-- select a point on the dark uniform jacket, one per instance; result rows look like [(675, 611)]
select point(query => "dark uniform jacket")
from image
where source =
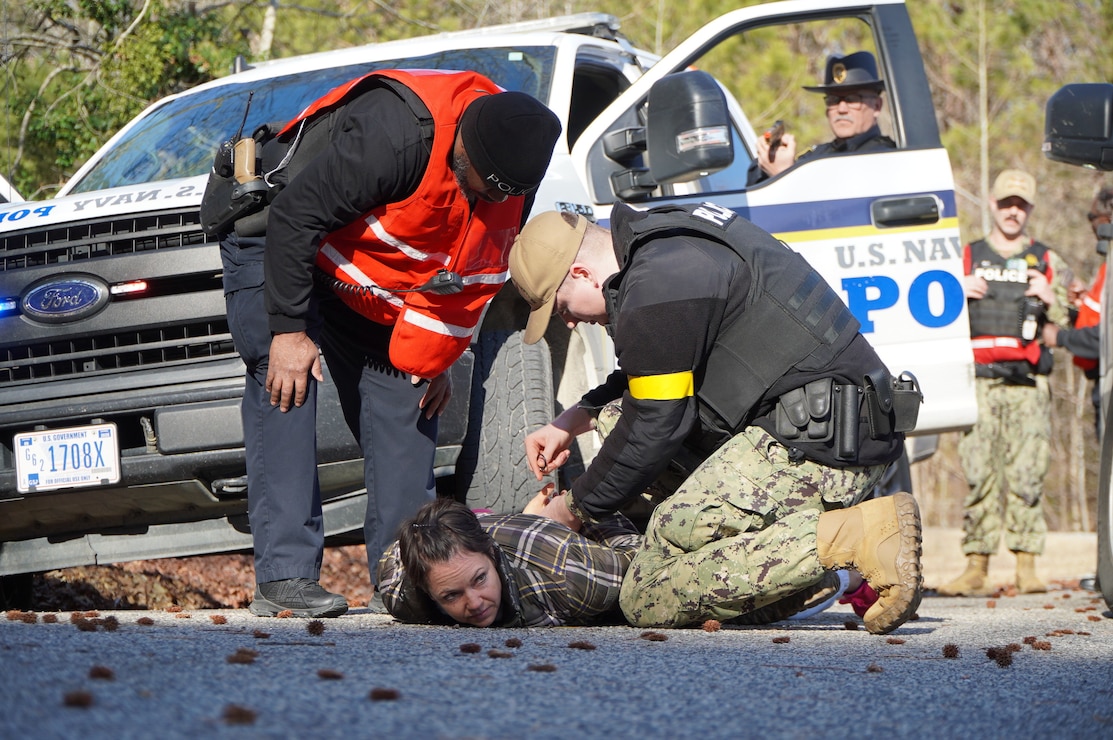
[(869, 141), (673, 308)]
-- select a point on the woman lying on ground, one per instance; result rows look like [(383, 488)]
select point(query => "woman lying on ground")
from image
[(450, 566)]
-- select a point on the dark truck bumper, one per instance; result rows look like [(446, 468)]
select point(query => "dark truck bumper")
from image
[(183, 485)]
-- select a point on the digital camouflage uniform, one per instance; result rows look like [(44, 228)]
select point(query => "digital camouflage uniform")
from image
[(1006, 455), (762, 508)]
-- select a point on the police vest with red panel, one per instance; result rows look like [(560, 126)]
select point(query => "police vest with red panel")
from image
[(996, 320), (1089, 314), (398, 247)]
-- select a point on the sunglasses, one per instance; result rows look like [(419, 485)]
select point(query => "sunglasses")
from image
[(852, 100)]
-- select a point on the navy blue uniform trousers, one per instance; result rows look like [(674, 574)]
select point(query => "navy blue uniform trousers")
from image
[(380, 405)]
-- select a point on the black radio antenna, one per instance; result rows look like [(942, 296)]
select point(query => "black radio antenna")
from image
[(246, 110)]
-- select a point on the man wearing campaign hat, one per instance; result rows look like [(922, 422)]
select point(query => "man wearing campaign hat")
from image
[(1014, 285), (852, 92), (733, 351), (390, 234)]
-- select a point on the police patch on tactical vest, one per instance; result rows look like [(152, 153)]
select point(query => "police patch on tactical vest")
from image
[(713, 214)]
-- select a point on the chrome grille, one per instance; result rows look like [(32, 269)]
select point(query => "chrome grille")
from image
[(123, 350)]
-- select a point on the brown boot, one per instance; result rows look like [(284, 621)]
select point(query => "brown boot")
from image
[(881, 539), (1027, 582), (972, 582)]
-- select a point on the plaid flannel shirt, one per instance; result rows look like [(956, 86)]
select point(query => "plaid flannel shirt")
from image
[(551, 576)]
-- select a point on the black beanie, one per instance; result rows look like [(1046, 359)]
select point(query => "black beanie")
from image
[(509, 138)]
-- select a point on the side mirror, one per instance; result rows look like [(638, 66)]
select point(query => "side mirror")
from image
[(688, 127), (1079, 125)]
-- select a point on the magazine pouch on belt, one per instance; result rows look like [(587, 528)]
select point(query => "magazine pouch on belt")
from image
[(892, 403), (805, 413)]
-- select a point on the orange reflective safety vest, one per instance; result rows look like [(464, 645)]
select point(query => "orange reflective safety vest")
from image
[(398, 247), (1089, 314)]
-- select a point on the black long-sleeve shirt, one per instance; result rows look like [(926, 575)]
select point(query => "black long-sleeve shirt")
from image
[(1085, 343), (675, 298), (376, 155)]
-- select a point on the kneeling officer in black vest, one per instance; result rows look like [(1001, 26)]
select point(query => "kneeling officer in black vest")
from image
[(733, 352)]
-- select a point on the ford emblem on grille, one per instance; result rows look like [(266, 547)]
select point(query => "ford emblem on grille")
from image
[(57, 300)]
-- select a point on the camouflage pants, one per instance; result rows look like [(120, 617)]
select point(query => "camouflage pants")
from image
[(1005, 458), (739, 533), (664, 485)]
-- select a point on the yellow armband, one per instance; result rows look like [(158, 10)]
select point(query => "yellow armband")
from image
[(667, 387)]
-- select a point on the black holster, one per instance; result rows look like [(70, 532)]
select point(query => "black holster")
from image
[(892, 403)]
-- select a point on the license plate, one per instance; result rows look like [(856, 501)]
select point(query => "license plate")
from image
[(67, 458)]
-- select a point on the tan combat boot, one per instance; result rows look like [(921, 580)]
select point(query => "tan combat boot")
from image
[(972, 582), (881, 539), (1027, 582)]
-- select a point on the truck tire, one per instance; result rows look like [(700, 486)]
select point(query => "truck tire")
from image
[(511, 395)]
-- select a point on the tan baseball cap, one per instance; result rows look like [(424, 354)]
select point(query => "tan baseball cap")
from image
[(539, 262), (1014, 182)]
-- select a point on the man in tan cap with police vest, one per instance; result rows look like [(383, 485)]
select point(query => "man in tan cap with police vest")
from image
[(1014, 284)]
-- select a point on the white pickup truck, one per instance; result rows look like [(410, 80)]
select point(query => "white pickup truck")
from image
[(120, 435)]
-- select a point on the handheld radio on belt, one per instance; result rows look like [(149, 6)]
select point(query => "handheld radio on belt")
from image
[(235, 188)]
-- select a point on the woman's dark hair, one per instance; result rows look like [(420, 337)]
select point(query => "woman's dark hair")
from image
[(439, 530)]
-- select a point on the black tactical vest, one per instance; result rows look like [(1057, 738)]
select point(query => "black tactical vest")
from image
[(791, 318), (1001, 312)]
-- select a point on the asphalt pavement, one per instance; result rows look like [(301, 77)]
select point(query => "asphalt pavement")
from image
[(227, 674)]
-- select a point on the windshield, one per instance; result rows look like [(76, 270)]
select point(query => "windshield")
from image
[(180, 138)]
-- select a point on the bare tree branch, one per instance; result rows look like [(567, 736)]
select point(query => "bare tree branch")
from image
[(134, 23), (25, 122)]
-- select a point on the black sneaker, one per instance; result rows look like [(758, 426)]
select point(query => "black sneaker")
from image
[(303, 597)]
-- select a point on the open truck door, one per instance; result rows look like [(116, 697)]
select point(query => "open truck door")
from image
[(881, 227)]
